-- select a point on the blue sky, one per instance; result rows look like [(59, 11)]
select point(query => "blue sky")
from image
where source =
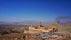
[(34, 10)]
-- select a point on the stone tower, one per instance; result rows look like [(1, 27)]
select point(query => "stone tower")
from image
[(40, 25)]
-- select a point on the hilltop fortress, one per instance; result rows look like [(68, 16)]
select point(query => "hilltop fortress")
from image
[(40, 28)]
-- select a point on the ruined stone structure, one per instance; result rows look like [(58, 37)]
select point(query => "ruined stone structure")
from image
[(40, 28)]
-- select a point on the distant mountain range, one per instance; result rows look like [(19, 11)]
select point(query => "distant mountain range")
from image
[(23, 23), (30, 23)]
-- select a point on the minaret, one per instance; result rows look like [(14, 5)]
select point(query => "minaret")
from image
[(40, 25)]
